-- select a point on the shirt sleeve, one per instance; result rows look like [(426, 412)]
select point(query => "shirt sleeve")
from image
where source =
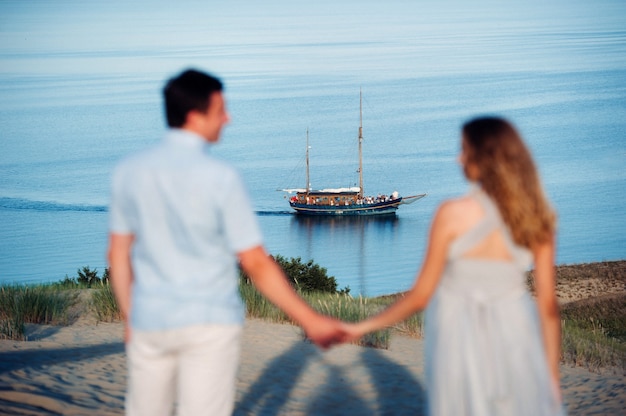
[(240, 223)]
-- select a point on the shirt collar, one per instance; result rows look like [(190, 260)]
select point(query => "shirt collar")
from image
[(181, 137)]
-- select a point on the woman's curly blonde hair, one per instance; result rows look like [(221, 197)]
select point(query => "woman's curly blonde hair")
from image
[(507, 173)]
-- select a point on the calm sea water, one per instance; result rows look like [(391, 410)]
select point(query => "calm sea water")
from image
[(80, 87)]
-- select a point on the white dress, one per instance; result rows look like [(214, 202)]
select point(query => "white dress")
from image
[(483, 345)]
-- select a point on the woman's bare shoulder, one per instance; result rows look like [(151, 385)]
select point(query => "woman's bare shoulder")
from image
[(459, 214), (460, 206)]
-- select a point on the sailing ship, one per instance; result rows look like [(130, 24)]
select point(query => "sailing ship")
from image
[(345, 201)]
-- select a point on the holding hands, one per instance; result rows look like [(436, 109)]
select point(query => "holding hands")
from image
[(326, 332)]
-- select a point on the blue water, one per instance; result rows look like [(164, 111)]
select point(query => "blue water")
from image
[(80, 86)]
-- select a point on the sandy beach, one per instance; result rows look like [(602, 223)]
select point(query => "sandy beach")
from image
[(81, 370)]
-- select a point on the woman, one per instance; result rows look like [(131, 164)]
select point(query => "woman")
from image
[(490, 348)]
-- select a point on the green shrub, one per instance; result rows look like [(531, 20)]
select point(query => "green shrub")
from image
[(106, 276), (309, 276), (88, 277)]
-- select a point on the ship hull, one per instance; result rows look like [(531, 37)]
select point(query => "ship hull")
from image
[(380, 208)]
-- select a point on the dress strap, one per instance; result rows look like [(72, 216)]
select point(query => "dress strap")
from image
[(481, 230), (520, 255)]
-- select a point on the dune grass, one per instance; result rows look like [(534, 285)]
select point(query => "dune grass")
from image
[(594, 334), (351, 309), (337, 305), (104, 305), (593, 330), (40, 304)]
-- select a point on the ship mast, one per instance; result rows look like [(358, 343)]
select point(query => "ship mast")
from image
[(360, 144), (308, 183)]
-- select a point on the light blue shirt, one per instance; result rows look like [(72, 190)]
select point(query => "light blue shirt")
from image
[(190, 215)]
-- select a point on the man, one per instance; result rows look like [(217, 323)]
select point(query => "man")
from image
[(180, 220)]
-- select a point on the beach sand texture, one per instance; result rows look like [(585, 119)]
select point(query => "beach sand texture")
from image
[(81, 370)]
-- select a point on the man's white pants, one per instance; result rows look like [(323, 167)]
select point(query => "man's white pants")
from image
[(194, 366)]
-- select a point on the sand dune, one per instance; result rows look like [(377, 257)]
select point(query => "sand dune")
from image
[(81, 370)]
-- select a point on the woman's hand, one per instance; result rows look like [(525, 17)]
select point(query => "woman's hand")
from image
[(354, 331)]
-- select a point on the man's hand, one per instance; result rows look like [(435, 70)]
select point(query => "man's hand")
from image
[(325, 331)]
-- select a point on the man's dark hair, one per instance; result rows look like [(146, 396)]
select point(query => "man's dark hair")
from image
[(191, 90)]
